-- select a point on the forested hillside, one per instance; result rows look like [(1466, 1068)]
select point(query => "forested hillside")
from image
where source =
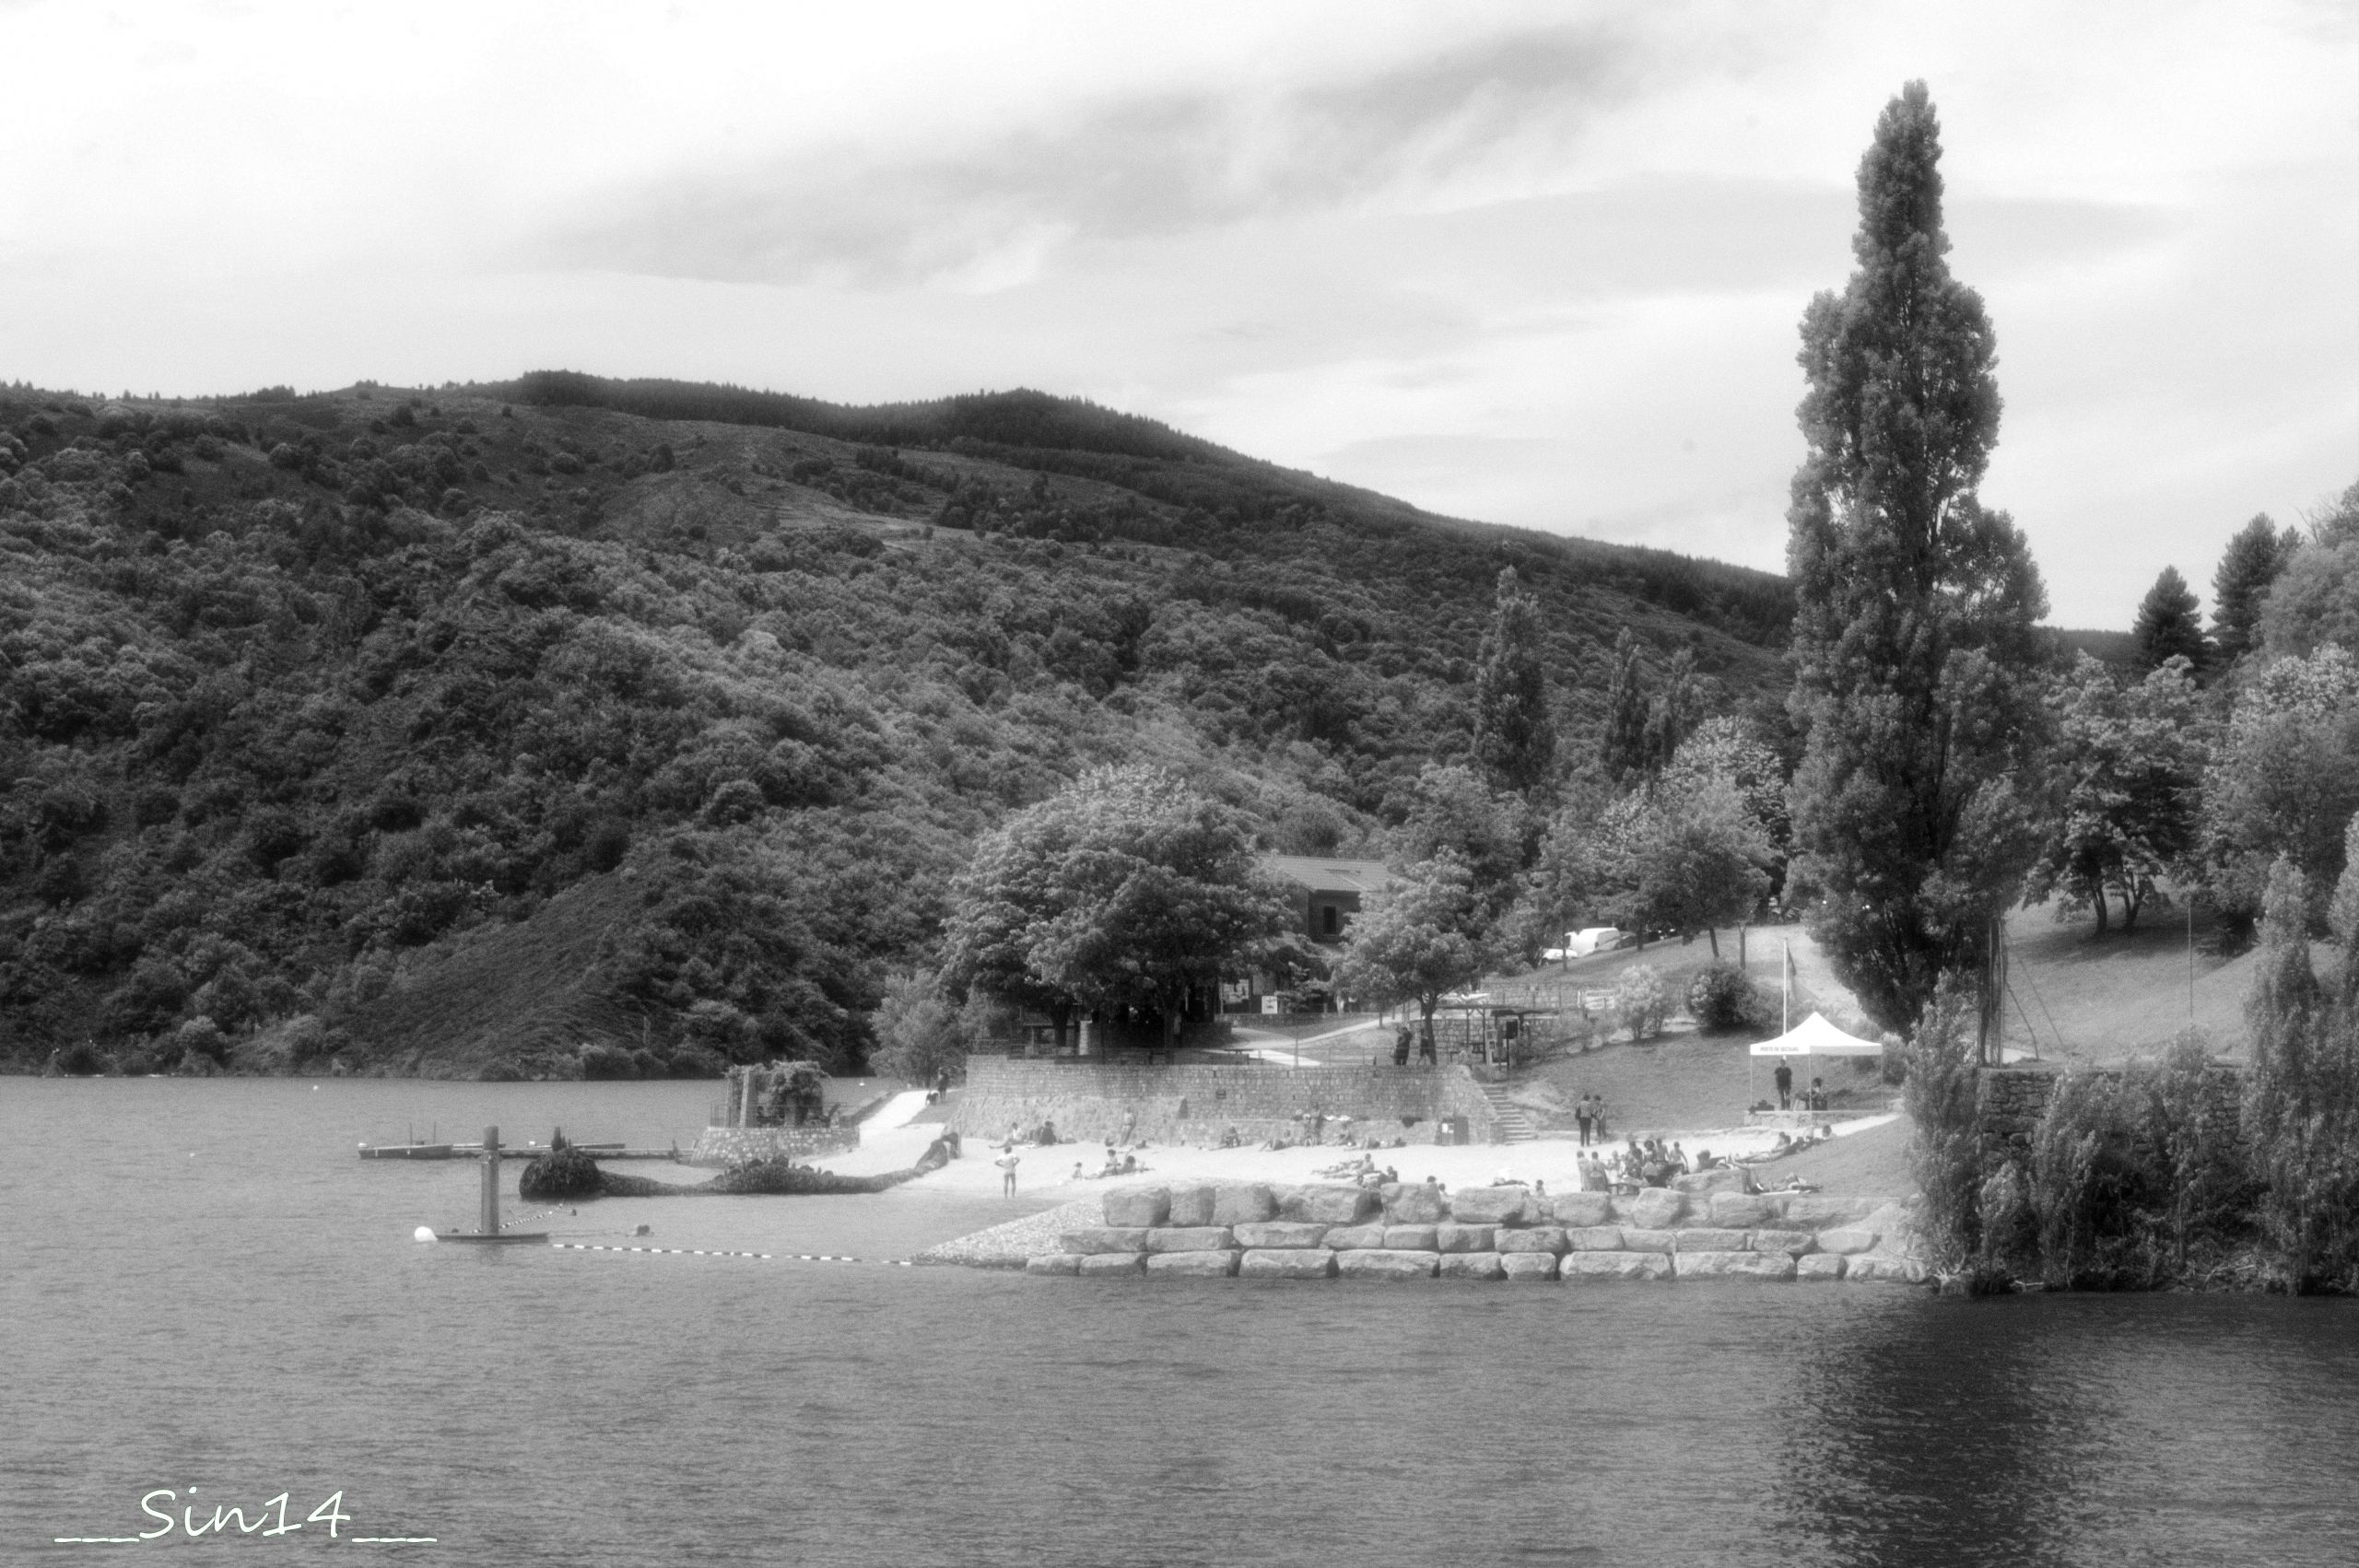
[(666, 712)]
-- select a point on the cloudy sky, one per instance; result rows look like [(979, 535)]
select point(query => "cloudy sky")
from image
[(1533, 263)]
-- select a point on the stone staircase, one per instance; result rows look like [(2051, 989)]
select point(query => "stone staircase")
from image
[(1514, 1126)]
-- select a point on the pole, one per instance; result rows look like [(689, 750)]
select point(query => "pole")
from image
[(490, 1225), (2190, 963)]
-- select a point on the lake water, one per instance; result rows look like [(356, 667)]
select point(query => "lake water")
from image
[(201, 1287)]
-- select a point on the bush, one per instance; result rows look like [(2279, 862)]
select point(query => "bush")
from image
[(608, 1062), (1641, 1002), (81, 1060), (1724, 997)]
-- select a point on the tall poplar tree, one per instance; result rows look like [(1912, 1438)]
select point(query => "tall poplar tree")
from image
[(1915, 604), (1514, 738)]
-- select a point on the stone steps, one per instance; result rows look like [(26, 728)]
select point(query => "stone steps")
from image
[(1514, 1126)]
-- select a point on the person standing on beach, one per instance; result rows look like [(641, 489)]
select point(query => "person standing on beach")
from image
[(1007, 1162), (1581, 1115), (1784, 1079)]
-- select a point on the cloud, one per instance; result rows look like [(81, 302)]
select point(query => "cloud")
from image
[(980, 215)]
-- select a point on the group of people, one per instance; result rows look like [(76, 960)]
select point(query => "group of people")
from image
[(1363, 1171), (1816, 1100), (1401, 1037), (1650, 1163), (1589, 1112)]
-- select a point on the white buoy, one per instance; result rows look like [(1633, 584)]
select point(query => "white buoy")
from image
[(423, 1233)]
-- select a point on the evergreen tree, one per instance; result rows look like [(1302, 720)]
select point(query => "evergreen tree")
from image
[(1514, 738), (1915, 605), (2250, 563), (2168, 627)]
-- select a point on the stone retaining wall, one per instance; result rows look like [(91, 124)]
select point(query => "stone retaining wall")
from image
[(1095, 1101), (1402, 1231), (2009, 1101), (721, 1147)]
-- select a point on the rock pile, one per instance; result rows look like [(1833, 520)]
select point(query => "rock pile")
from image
[(1403, 1232)]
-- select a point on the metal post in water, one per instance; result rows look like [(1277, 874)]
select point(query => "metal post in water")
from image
[(491, 1181)]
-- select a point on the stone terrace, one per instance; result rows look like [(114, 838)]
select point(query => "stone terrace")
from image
[(1416, 1232)]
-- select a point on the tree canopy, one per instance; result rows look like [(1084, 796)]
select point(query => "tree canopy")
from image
[(2132, 760), (1418, 940), (1913, 642), (1126, 889)]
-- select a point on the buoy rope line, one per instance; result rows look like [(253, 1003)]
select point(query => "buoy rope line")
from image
[(718, 1252)]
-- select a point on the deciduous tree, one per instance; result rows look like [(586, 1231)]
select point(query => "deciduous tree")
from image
[(1418, 940), (1915, 604), (2132, 765)]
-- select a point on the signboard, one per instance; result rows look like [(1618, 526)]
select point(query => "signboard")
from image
[(1270, 1004)]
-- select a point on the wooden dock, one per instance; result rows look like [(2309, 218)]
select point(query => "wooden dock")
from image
[(475, 1152)]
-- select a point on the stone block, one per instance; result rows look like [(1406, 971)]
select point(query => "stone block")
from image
[(1720, 1178), (1279, 1235), (1411, 1238), (1105, 1265), (1549, 1239), (1145, 1206), (1286, 1263), (1104, 1238), (1793, 1244), (1192, 1265), (1817, 1211), (1420, 1204), (1709, 1238), (1884, 1266), (1739, 1212), (1053, 1263), (1735, 1266), (1190, 1238), (1890, 1220), (1528, 1265), (1593, 1238), (1463, 1238), (1472, 1265), (1656, 1208), (1845, 1240), (1489, 1205), (1243, 1203), (1191, 1205), (1329, 1203), (1353, 1238), (1386, 1263), (1635, 1239), (1584, 1209), (1613, 1266), (1819, 1266)]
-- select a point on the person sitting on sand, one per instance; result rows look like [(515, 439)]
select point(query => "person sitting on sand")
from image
[(1705, 1160)]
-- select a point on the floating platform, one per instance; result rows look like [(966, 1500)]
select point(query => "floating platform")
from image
[(540, 1236), (407, 1151)]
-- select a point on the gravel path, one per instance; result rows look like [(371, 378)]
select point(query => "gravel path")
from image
[(1009, 1245)]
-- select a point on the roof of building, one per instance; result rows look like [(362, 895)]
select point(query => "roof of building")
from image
[(1330, 876)]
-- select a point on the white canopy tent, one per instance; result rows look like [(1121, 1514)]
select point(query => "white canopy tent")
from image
[(1815, 1036)]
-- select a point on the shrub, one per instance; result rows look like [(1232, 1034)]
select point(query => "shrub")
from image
[(1641, 1002), (1724, 997), (81, 1060), (608, 1062)]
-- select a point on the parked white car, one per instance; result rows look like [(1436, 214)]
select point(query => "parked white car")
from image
[(1591, 939)]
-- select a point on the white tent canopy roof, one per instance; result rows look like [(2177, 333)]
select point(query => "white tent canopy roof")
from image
[(1815, 1036)]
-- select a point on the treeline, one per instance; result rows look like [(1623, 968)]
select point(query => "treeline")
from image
[(296, 692)]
